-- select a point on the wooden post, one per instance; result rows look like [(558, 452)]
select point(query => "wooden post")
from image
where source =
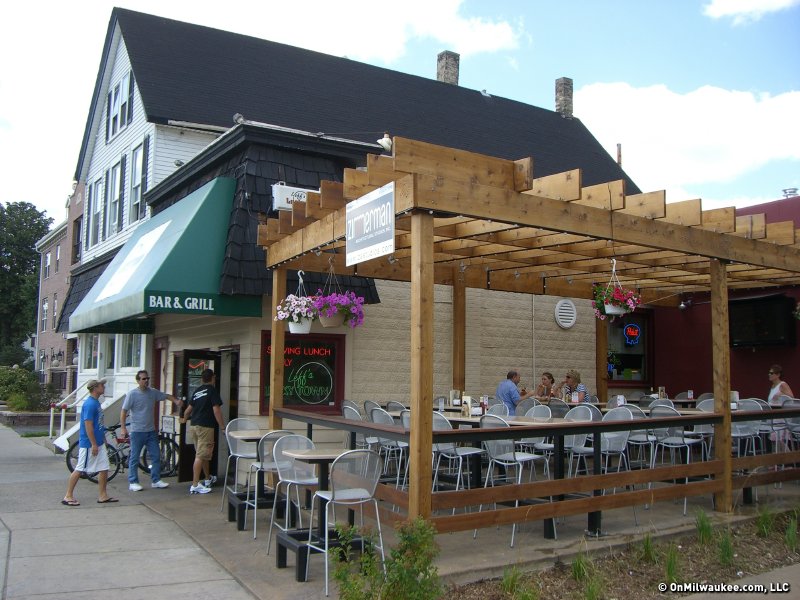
[(459, 330), (601, 359), (419, 488), (277, 342), (721, 367)]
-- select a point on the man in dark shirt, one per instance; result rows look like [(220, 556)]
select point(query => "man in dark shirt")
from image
[(204, 409)]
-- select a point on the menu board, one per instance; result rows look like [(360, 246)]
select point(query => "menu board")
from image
[(313, 372)]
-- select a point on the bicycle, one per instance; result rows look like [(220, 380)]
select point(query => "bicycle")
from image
[(119, 452)]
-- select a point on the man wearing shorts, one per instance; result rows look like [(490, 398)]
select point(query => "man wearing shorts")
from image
[(92, 455), (204, 409)]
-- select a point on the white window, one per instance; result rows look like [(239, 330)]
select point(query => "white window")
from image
[(120, 106), (46, 266), (137, 161), (44, 315), (113, 199), (130, 350), (89, 351), (97, 211), (42, 360), (55, 311), (58, 256)]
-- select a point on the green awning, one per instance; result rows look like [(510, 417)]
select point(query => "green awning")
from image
[(171, 264)]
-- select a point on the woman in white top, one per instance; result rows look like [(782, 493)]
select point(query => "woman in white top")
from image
[(779, 387)]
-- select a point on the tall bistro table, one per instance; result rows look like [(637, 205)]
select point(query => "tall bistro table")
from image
[(296, 540)]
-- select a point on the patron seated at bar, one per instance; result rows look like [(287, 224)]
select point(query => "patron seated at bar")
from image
[(544, 390), (507, 391), (572, 384)]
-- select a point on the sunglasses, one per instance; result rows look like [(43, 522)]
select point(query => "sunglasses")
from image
[(144, 379), (772, 373)]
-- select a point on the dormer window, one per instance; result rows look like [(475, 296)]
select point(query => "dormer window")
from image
[(119, 110)]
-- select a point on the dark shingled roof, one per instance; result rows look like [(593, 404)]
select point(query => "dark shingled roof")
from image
[(81, 281), (197, 74)]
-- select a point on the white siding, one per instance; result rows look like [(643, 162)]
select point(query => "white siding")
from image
[(171, 144)]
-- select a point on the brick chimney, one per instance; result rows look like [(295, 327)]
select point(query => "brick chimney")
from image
[(564, 97), (447, 67)]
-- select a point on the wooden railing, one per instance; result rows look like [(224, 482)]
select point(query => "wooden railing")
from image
[(547, 499)]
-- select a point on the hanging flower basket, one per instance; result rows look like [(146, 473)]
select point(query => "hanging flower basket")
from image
[(613, 300), (301, 326), (297, 309), (336, 307)]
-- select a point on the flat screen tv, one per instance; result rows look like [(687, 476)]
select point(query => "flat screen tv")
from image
[(766, 321)]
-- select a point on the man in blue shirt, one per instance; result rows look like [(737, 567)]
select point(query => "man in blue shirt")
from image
[(92, 455), (507, 391), (140, 403)]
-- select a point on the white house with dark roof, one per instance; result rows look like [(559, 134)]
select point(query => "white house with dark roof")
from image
[(177, 106)]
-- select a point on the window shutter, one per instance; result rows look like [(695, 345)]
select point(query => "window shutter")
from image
[(130, 97), (90, 189), (145, 170), (121, 192), (105, 207), (108, 116)]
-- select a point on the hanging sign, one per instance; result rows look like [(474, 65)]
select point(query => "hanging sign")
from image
[(632, 333), (369, 227), (283, 196)]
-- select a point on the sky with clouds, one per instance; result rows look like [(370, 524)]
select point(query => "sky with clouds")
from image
[(703, 95)]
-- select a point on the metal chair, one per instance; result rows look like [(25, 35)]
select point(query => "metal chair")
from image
[(368, 406), (613, 402), (493, 401), (353, 415), (394, 405), (353, 479), (636, 396), (640, 439), (747, 431), (502, 453), (291, 474), (523, 406), (451, 453), (661, 402), (498, 410), (352, 405), (389, 448), (615, 443), (706, 431), (671, 438), (705, 396), (576, 443), (265, 463), (558, 408), (238, 449), (540, 443), (682, 396)]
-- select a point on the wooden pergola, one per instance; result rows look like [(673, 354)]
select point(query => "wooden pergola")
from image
[(468, 220)]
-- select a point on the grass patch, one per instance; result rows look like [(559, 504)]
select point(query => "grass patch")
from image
[(725, 548), (32, 434), (791, 535), (705, 531), (512, 580), (671, 564), (765, 521), (648, 553), (581, 567), (593, 589)]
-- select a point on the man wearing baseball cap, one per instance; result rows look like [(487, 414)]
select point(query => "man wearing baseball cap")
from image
[(92, 455)]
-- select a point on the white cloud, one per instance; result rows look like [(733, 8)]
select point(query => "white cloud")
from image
[(745, 11), (675, 141)]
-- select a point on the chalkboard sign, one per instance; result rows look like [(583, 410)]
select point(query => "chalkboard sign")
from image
[(313, 372)]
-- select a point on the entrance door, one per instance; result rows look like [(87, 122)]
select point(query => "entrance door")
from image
[(190, 364)]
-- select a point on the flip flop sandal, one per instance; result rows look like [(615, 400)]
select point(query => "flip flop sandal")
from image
[(107, 500), (66, 502)]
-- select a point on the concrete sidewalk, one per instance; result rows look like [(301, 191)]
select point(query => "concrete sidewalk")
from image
[(166, 543)]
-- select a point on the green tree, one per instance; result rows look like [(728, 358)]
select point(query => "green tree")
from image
[(21, 226)]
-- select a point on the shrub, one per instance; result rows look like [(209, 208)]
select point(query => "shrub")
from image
[(17, 402), (15, 381), (648, 554), (411, 573)]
